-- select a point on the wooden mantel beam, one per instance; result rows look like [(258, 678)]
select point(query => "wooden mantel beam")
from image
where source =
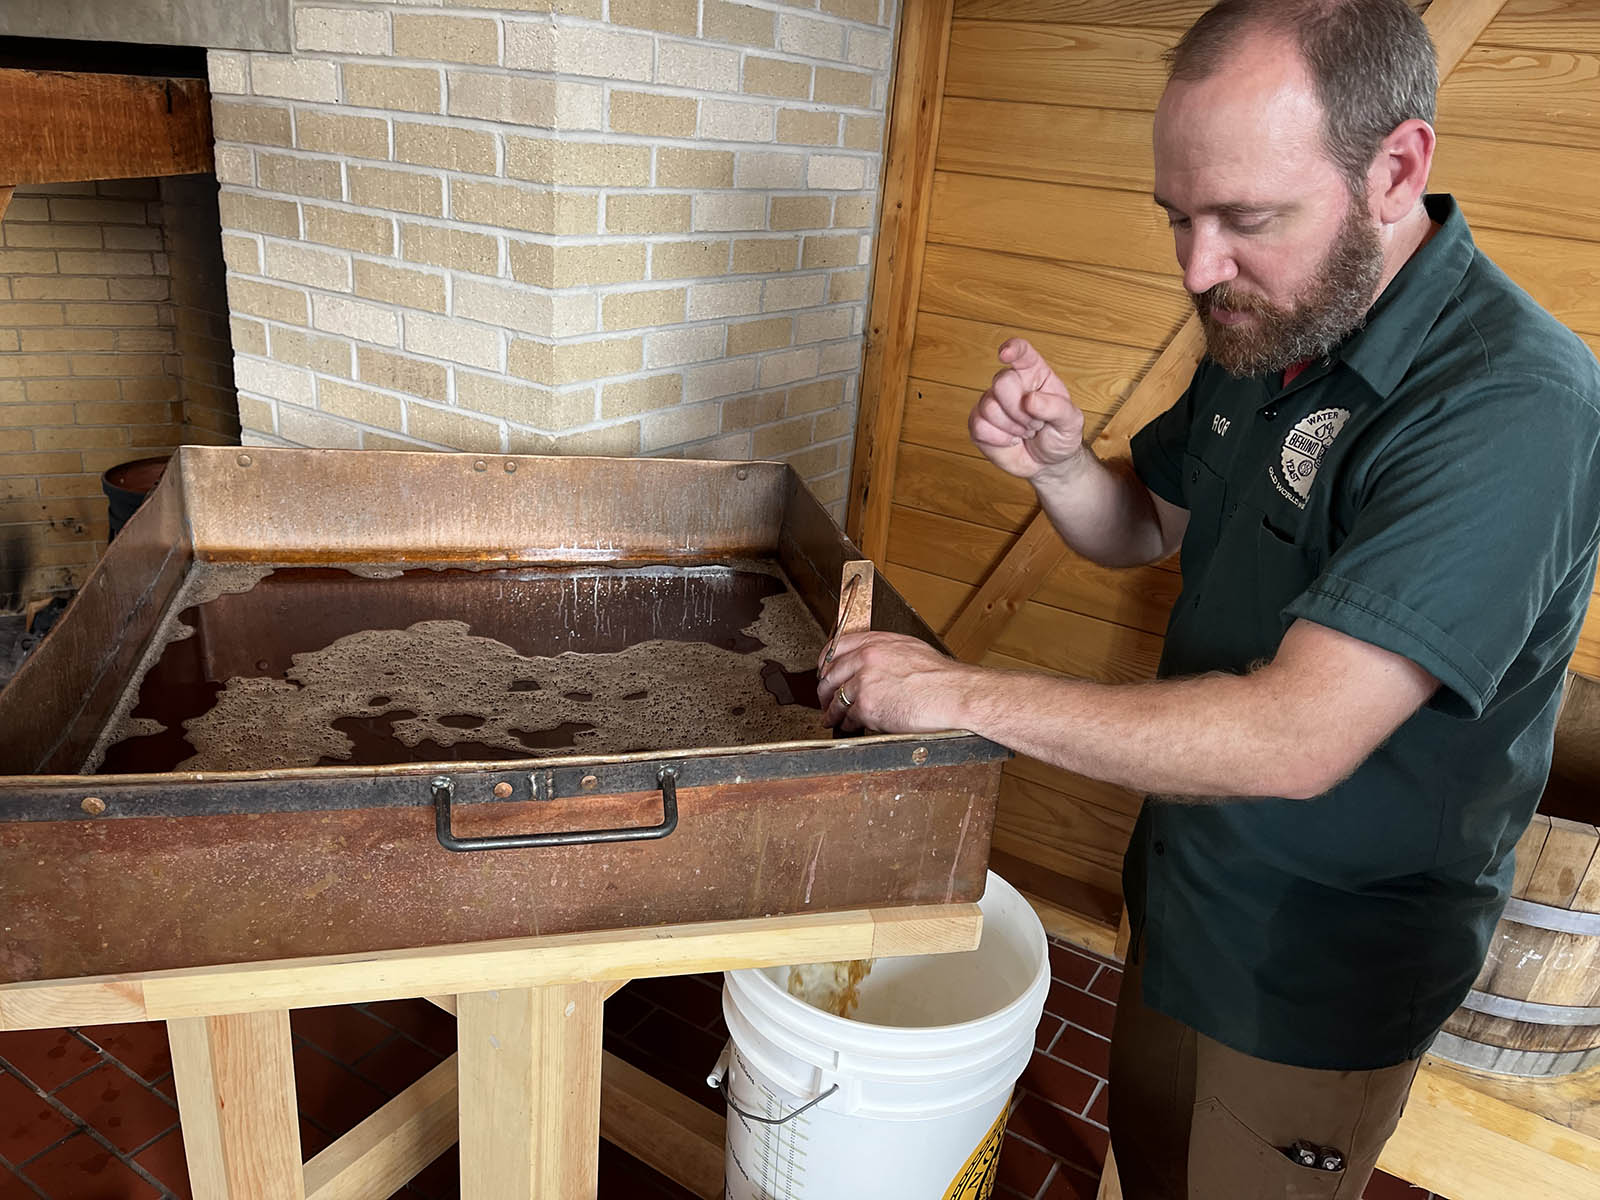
[(58, 126)]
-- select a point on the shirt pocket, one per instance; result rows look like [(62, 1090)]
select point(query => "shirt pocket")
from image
[(1284, 568), (1205, 494), (1230, 1161)]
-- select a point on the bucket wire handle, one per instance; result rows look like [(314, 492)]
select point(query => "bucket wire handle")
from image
[(722, 1086)]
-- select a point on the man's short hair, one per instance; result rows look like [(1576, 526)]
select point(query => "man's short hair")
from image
[(1371, 61)]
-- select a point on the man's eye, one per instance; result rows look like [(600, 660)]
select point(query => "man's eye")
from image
[(1253, 225), (1176, 222)]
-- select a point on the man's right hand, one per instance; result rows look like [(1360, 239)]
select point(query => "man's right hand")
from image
[(1026, 423)]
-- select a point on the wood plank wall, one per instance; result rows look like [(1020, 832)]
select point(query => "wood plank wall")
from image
[(1040, 222), (1519, 145)]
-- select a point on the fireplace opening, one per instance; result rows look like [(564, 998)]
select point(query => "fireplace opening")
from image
[(114, 338)]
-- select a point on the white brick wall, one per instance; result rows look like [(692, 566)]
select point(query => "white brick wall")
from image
[(113, 347), (614, 229)]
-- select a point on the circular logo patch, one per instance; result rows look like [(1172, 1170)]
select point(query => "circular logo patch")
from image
[(1304, 448)]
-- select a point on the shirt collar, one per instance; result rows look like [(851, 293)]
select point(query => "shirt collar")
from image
[(1383, 349)]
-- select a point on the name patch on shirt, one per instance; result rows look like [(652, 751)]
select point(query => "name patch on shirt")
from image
[(1304, 448)]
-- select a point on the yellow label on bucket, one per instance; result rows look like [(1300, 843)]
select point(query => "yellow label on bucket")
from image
[(975, 1180)]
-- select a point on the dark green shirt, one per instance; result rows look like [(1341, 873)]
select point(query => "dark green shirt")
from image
[(1430, 488)]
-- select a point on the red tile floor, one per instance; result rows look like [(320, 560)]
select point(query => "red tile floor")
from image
[(90, 1114)]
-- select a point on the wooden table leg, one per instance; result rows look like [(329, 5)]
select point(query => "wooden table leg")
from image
[(236, 1098), (530, 1092), (1110, 1184)]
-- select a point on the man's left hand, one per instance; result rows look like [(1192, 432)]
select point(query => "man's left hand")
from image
[(894, 684)]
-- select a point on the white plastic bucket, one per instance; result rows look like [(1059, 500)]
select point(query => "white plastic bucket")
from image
[(922, 1071)]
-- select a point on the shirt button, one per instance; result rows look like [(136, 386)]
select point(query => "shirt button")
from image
[(1194, 476), (1160, 847), (1269, 414)]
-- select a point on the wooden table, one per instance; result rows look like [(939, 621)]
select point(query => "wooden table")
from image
[(1470, 1135), (526, 1080)]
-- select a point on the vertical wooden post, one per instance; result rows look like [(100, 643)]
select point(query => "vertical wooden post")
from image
[(530, 1092), (235, 1080), (916, 101), (5, 198), (1110, 1182)]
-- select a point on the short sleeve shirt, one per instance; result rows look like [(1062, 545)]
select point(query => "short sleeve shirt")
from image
[(1430, 487)]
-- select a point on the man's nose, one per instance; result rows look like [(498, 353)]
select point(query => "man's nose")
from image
[(1208, 262)]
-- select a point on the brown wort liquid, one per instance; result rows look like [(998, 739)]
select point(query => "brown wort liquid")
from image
[(537, 612)]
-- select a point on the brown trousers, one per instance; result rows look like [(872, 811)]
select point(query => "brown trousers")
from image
[(1192, 1119)]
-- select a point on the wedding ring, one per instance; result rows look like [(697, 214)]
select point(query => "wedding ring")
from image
[(844, 700)]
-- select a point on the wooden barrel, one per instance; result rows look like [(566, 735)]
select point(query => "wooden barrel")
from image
[(1534, 1009)]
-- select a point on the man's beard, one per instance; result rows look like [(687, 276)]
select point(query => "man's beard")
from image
[(1334, 303)]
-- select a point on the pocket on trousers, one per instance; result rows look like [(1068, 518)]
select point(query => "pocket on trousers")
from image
[(1229, 1161)]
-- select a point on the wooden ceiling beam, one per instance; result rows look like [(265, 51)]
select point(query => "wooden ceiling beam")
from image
[(61, 126)]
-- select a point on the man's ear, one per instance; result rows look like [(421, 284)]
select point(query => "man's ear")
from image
[(1399, 172)]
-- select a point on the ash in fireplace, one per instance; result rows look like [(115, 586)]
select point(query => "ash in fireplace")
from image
[(18, 638), (12, 634)]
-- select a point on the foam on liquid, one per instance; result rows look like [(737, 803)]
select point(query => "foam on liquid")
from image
[(436, 681)]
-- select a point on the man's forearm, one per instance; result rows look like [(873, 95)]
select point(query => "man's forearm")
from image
[(1102, 511), (1294, 727), (1208, 737)]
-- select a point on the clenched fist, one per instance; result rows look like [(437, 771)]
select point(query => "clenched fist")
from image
[(1026, 423)]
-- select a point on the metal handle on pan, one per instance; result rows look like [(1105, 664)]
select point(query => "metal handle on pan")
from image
[(444, 791)]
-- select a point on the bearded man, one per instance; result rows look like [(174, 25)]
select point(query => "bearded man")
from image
[(1381, 478)]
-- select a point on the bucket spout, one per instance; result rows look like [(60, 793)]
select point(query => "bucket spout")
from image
[(720, 1071)]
